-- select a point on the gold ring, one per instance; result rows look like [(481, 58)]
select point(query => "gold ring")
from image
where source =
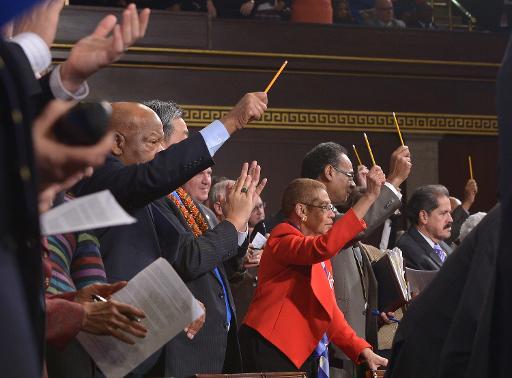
[(244, 190)]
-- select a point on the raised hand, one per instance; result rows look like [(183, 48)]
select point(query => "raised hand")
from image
[(400, 166), (242, 195), (374, 181), (250, 107), (41, 20), (362, 172), (470, 191), (103, 47)]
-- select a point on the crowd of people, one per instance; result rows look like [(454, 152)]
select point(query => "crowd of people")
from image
[(374, 13), (418, 14), (305, 300)]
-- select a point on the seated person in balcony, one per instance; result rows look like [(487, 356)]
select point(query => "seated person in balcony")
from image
[(343, 13), (382, 15), (233, 8), (313, 11), (421, 17)]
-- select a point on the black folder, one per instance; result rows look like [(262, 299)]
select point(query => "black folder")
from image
[(391, 297)]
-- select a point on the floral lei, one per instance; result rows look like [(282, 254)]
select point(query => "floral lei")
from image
[(190, 212)]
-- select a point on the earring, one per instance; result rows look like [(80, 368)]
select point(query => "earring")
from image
[(304, 219)]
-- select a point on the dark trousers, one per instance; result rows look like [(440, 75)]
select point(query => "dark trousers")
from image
[(259, 355), (70, 362)]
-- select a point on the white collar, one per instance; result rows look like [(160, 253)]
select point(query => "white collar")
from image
[(429, 241)]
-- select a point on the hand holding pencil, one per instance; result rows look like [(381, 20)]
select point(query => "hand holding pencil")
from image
[(250, 107)]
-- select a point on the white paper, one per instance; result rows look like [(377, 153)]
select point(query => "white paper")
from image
[(169, 307), (259, 241), (397, 261), (84, 213)]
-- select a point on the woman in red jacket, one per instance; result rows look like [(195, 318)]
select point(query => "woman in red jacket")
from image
[(293, 315)]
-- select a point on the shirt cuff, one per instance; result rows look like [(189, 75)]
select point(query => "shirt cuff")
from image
[(214, 135), (242, 236), (394, 190), (36, 50), (62, 93)]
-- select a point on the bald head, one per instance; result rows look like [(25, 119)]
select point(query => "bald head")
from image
[(384, 10), (138, 132)]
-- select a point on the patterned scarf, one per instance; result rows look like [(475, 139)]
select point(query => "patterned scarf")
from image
[(195, 220)]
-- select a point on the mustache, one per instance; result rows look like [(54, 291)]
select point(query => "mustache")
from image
[(449, 225)]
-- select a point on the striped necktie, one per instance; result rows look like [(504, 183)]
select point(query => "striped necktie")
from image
[(322, 349), (439, 251)]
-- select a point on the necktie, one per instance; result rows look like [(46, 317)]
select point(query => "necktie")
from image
[(322, 349), (439, 251)]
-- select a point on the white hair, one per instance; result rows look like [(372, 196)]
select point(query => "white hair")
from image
[(470, 223)]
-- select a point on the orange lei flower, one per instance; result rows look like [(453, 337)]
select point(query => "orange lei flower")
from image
[(190, 212)]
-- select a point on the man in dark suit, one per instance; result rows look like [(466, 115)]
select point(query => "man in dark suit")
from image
[(438, 335), (423, 245), (199, 253), (199, 260), (29, 168), (138, 174), (355, 285)]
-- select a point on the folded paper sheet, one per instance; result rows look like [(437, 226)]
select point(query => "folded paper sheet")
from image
[(84, 213), (169, 308)]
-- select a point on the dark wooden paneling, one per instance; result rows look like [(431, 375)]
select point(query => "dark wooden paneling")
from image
[(356, 41), (296, 90), (198, 61), (165, 28), (280, 154)]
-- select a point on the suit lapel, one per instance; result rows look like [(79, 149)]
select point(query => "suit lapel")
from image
[(320, 285), (182, 220), (429, 251)]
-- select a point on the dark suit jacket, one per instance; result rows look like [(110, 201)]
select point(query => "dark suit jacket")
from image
[(417, 253), (126, 250), (214, 349), (436, 338), (497, 326), (354, 281), (21, 277)]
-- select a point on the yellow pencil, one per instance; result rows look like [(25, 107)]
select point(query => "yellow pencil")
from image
[(470, 168), (275, 77), (369, 149), (398, 129), (357, 155)]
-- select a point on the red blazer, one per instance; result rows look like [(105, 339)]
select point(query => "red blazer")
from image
[(294, 305)]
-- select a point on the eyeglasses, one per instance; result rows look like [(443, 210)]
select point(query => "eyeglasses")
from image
[(327, 207), (261, 206), (350, 175)]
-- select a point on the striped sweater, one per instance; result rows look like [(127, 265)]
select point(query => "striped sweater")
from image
[(76, 262)]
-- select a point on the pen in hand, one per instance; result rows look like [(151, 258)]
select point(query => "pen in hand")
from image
[(99, 298), (390, 318)]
